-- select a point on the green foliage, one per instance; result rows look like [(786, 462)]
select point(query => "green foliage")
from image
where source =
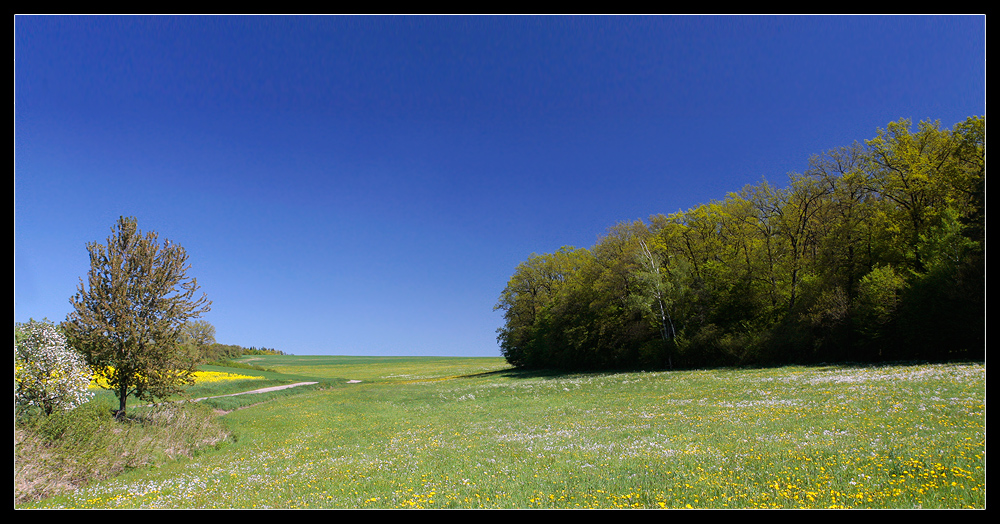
[(875, 252), (71, 449), (196, 340), (261, 351), (227, 352), (129, 317), (48, 373), (235, 364), (530, 296)]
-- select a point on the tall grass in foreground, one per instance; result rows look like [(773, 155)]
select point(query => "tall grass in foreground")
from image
[(70, 449), (795, 437), (73, 448)]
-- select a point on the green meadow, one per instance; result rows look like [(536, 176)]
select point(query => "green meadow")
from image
[(422, 432)]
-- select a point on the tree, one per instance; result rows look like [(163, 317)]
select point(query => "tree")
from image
[(530, 292), (128, 319), (877, 251), (197, 338), (48, 373)]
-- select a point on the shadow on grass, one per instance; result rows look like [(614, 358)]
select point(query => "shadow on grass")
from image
[(515, 373)]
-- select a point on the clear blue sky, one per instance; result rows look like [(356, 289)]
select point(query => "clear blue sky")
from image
[(367, 185)]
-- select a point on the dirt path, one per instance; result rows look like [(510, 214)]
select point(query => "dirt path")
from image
[(261, 390)]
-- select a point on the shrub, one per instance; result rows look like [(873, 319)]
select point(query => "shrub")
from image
[(48, 373), (71, 449)]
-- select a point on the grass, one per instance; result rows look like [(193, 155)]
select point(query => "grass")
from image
[(68, 450), (470, 433), (377, 369)]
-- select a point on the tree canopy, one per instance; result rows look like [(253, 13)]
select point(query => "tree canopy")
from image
[(874, 252), (48, 373), (129, 316)]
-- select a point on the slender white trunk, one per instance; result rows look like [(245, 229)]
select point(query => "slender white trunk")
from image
[(665, 319)]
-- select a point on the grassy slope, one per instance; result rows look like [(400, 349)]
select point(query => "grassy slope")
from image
[(449, 433)]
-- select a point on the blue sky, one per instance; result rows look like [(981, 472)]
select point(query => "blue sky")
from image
[(367, 185)]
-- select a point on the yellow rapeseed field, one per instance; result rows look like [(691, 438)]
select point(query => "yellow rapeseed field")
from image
[(200, 377)]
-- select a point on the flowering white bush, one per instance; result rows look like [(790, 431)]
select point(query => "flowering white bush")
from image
[(47, 372)]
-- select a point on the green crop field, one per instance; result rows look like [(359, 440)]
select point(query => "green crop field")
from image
[(473, 433)]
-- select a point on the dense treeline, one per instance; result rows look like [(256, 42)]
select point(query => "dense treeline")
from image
[(217, 352), (197, 342), (876, 252)]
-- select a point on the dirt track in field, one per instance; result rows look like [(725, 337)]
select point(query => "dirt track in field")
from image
[(261, 390)]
